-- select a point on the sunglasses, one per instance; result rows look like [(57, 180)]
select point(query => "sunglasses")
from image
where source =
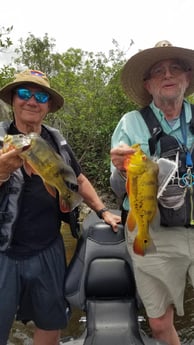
[(40, 97)]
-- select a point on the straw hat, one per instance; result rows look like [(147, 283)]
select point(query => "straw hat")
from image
[(134, 71), (32, 77)]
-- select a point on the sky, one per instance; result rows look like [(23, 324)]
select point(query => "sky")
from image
[(91, 25)]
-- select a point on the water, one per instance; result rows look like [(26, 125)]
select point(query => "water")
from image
[(22, 335)]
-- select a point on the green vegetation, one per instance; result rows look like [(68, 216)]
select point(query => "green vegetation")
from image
[(94, 99)]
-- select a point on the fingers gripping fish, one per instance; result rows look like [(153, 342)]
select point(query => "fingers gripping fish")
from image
[(41, 159), (141, 187)]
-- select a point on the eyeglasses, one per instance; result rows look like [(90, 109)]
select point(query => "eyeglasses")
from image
[(159, 71), (40, 97)]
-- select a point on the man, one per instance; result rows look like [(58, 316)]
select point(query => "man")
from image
[(158, 79), (32, 253)]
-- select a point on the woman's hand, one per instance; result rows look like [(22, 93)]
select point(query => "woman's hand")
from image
[(111, 219), (9, 162)]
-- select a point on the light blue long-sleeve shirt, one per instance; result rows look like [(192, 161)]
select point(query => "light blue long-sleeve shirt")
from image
[(132, 129)]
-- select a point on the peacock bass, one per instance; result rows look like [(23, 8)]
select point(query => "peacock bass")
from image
[(41, 159), (141, 187)]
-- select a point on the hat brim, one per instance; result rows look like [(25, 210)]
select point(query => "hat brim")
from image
[(132, 76), (57, 101)]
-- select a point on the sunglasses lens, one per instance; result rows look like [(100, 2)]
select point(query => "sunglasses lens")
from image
[(25, 94), (41, 97)]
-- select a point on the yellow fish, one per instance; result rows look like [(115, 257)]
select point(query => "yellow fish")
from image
[(41, 159), (141, 187)]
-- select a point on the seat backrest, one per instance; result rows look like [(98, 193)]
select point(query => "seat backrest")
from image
[(101, 266)]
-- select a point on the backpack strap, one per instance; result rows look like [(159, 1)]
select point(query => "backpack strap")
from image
[(191, 127), (154, 127)]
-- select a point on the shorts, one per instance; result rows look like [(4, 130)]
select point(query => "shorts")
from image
[(161, 277), (33, 289)]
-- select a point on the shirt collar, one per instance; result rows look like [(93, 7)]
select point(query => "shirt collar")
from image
[(160, 115)]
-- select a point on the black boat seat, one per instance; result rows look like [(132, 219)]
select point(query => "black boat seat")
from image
[(100, 281), (101, 266)]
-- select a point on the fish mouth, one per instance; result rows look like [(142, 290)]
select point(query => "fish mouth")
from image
[(26, 147)]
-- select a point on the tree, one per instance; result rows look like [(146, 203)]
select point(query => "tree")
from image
[(36, 53), (5, 41), (6, 71), (94, 99)]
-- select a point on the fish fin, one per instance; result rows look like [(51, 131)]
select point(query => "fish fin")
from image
[(131, 222), (127, 186), (27, 168), (51, 190), (126, 163), (143, 246), (64, 207)]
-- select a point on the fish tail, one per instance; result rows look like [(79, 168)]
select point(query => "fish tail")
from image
[(69, 201), (143, 245)]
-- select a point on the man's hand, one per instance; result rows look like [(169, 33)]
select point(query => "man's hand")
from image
[(119, 154)]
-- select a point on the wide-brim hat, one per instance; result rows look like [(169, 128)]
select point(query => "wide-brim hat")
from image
[(136, 68), (32, 77)]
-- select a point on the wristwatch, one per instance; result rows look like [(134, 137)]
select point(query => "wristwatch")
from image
[(100, 212)]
